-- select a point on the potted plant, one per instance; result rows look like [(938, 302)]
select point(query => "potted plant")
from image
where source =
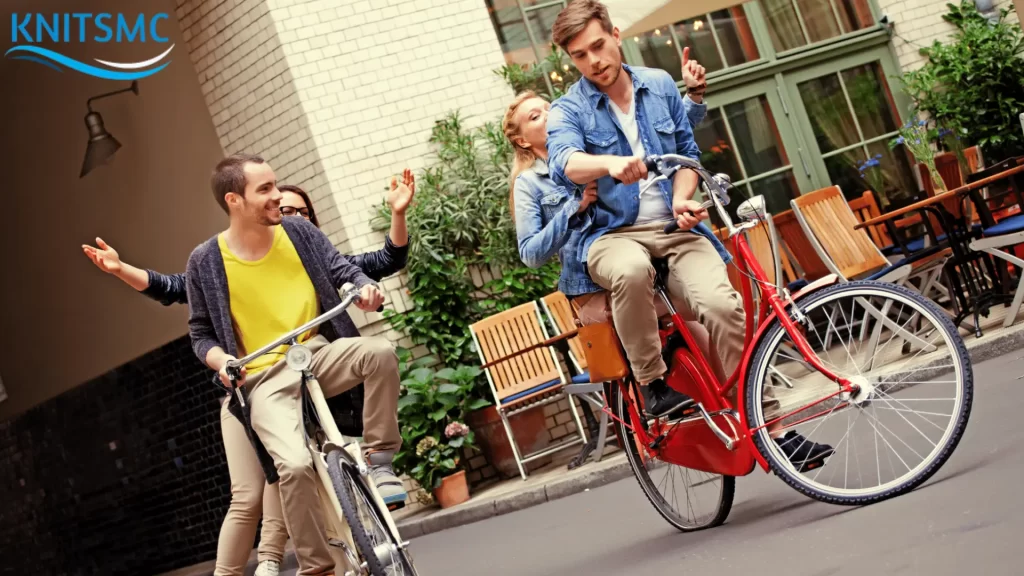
[(432, 408)]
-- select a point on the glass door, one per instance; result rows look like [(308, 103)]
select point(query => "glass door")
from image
[(747, 135), (848, 113)]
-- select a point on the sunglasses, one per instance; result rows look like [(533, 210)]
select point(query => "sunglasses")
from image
[(292, 211)]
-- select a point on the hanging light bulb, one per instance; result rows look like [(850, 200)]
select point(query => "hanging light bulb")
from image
[(668, 42), (657, 32), (636, 38), (698, 24)]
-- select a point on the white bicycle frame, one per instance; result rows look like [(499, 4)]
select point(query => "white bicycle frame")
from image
[(299, 359)]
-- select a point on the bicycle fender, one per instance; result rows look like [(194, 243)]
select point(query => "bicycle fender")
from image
[(741, 392)]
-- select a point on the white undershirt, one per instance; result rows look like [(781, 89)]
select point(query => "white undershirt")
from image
[(652, 203)]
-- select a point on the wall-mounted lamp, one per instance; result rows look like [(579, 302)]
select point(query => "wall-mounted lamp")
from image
[(102, 145)]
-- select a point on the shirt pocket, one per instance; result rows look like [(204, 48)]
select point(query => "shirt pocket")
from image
[(551, 202), (666, 129), (602, 142)]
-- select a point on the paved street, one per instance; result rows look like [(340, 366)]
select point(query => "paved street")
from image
[(966, 519)]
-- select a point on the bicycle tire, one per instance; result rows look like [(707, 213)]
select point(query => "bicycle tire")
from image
[(959, 352), (343, 477), (626, 436)]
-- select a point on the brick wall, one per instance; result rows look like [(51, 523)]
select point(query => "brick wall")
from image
[(123, 475), (918, 23), (340, 96)]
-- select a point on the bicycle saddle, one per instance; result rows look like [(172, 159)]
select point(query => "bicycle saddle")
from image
[(660, 271)]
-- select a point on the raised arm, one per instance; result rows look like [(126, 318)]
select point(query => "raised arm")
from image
[(160, 287), (382, 263)]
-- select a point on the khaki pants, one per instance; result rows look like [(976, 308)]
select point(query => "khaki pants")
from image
[(620, 262), (276, 412), (251, 496)]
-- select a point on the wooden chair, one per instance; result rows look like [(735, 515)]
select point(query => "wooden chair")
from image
[(559, 311), (760, 245), (800, 246), (828, 222), (522, 372), (865, 208)]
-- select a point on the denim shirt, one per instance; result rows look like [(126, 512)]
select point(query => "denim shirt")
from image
[(582, 121), (547, 221)]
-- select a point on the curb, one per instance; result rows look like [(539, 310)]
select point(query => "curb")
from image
[(612, 468)]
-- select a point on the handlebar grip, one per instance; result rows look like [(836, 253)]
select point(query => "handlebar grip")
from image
[(671, 227)]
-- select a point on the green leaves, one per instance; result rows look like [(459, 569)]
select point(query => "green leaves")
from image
[(976, 79)]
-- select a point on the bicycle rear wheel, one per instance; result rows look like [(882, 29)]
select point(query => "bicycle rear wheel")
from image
[(383, 555), (915, 392), (687, 499)]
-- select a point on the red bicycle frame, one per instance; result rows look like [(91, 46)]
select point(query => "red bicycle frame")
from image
[(734, 460)]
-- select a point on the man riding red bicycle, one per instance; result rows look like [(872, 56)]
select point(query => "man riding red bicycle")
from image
[(601, 130)]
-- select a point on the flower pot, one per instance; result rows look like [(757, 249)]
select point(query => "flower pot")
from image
[(453, 490), (529, 428)]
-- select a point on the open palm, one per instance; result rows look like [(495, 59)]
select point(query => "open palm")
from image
[(400, 193), (103, 256)]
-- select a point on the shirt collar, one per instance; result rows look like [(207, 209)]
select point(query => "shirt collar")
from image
[(540, 167), (594, 94)]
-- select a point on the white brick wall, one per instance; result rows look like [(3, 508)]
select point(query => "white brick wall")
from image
[(918, 24), (340, 96)]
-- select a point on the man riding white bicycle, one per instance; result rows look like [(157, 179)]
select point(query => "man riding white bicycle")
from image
[(601, 130), (265, 276)]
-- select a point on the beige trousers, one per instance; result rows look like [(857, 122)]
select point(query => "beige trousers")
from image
[(620, 262), (276, 412), (251, 496)]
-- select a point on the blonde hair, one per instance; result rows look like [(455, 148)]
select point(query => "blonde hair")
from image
[(524, 157)]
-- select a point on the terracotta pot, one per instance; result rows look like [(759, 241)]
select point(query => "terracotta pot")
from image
[(529, 428), (453, 490)]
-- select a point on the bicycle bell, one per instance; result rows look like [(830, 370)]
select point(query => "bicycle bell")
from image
[(298, 357)]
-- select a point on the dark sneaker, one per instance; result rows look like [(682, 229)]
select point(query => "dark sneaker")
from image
[(803, 453), (388, 484), (662, 401)]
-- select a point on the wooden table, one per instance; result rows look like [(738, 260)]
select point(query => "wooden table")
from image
[(958, 234)]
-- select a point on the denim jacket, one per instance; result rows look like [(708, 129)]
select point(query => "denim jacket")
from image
[(547, 221), (582, 121)]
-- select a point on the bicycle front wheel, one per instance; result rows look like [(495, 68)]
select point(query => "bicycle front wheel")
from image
[(914, 392), (382, 553), (687, 499)]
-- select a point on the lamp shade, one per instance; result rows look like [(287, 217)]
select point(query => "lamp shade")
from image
[(634, 17), (102, 145)]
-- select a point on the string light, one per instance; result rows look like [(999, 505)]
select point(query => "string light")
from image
[(668, 42), (657, 32), (636, 38), (565, 67), (554, 75), (698, 24)]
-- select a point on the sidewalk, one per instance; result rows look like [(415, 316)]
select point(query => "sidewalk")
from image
[(554, 481)]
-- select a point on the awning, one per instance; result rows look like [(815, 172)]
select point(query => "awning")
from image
[(634, 17)]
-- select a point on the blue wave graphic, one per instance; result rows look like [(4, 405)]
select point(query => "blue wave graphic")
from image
[(86, 68), (39, 60)]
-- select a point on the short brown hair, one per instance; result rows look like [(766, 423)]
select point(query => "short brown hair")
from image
[(575, 17), (229, 176)]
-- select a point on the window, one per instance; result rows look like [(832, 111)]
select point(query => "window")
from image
[(853, 118), (796, 23), (524, 27), (743, 141), (717, 40)]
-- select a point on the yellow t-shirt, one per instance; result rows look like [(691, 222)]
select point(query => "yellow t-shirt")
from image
[(269, 297)]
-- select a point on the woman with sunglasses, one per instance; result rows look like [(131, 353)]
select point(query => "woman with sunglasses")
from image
[(250, 494)]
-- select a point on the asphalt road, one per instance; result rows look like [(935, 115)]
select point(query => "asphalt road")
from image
[(968, 519)]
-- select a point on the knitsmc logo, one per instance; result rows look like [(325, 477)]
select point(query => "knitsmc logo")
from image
[(28, 31)]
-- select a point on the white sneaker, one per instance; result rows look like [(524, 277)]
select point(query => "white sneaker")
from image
[(268, 568)]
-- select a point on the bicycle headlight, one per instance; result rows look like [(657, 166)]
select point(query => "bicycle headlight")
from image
[(298, 357)]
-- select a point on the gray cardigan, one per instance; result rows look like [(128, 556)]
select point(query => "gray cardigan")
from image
[(209, 320)]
